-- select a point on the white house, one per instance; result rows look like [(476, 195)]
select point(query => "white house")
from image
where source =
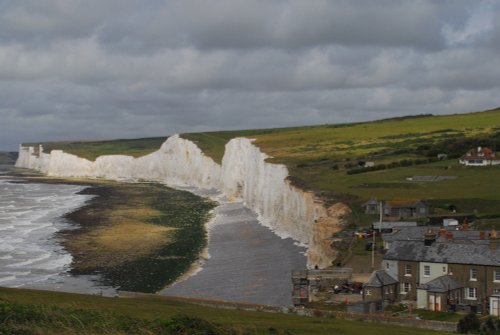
[(480, 157)]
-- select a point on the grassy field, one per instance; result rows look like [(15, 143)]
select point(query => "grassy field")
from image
[(320, 157), (39, 312)]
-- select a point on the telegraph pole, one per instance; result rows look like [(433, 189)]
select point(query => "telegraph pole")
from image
[(373, 236)]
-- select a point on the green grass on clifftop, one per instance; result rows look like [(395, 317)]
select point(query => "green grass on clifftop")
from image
[(319, 157), (325, 158), (93, 149)]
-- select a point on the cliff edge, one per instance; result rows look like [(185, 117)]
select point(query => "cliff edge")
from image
[(243, 175)]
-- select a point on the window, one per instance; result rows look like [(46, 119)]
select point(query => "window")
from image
[(406, 288), (387, 265), (427, 271), (368, 292), (471, 293), (444, 269), (473, 274), (496, 275), (496, 291), (407, 269)]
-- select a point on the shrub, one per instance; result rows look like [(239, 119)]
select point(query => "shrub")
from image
[(469, 324)]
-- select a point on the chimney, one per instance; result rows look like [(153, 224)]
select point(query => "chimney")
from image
[(493, 240), (449, 235), (429, 237), (442, 231), (482, 235)]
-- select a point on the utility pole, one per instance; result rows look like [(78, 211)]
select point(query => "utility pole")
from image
[(373, 236)]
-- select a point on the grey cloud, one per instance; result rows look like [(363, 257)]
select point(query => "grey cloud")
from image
[(130, 68)]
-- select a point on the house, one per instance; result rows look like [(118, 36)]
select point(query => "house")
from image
[(391, 226), (371, 206), (381, 286), (480, 157), (397, 208), (405, 208), (443, 270)]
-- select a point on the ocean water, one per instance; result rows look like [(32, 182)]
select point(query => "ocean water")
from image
[(30, 253)]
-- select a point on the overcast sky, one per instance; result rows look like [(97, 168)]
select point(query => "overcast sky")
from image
[(103, 69)]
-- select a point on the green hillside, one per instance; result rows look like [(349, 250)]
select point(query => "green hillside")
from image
[(326, 158), (30, 312)]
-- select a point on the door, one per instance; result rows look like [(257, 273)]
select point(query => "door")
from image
[(431, 305), (495, 306), (438, 304)]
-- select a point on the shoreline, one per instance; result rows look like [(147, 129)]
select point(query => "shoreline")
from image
[(248, 262), (276, 257), (86, 221)]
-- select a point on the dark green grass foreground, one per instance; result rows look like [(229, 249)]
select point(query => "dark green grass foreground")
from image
[(32, 312)]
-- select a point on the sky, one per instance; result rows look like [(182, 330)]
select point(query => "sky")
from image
[(106, 69)]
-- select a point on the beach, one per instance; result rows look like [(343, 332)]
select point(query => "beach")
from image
[(246, 262), (242, 262)]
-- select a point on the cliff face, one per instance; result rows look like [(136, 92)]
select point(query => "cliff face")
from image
[(244, 175)]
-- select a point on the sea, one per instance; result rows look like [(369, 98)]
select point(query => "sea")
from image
[(245, 261), (31, 255)]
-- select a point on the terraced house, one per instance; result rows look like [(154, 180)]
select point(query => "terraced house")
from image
[(441, 270)]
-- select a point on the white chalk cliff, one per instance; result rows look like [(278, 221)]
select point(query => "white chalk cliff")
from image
[(244, 175)]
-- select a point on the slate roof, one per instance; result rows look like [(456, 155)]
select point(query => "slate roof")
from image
[(455, 252), (417, 234), (441, 284), (403, 203), (380, 278), (407, 233)]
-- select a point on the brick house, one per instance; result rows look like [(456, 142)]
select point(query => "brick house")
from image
[(381, 286), (448, 270)]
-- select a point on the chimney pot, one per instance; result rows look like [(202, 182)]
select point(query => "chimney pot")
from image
[(449, 235)]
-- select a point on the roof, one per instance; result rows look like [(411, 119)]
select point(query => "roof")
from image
[(441, 284), (372, 202), (380, 278), (417, 234), (403, 203), (463, 251), (480, 153)]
